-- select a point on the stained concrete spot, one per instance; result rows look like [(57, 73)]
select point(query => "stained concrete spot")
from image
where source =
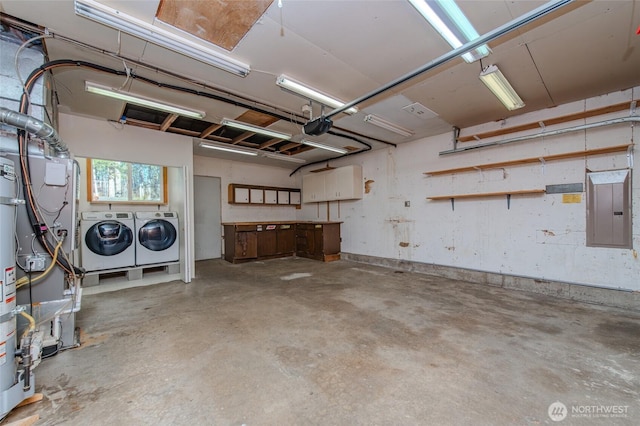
[(295, 276), (404, 244)]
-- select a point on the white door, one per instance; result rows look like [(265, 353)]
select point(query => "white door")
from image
[(207, 217)]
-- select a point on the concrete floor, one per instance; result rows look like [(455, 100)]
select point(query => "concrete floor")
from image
[(299, 342)]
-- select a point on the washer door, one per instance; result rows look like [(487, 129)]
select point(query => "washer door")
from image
[(157, 235), (108, 238)]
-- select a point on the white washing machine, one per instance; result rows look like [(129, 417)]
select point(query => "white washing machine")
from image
[(157, 238), (107, 240)]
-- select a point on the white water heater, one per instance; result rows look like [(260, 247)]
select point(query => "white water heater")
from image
[(12, 389)]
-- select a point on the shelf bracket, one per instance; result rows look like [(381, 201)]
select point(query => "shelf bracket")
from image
[(632, 108), (456, 136), (630, 156), (453, 205), (543, 163), (508, 201)]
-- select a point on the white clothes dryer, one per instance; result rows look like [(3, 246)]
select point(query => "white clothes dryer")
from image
[(107, 240), (157, 238)]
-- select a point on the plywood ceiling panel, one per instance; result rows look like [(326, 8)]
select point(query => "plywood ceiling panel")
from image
[(257, 118), (223, 23)]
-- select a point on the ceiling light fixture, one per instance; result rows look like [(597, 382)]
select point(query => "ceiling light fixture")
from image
[(227, 148), (255, 129), (283, 157), (141, 100), (309, 93), (498, 84), (447, 18), (384, 124), (322, 146), (113, 18)]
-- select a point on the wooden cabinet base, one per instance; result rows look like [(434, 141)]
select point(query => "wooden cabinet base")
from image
[(247, 242)]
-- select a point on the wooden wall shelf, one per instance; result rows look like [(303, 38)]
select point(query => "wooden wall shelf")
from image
[(486, 195), (540, 159), (549, 122)]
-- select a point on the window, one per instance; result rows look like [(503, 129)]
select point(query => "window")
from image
[(122, 182)]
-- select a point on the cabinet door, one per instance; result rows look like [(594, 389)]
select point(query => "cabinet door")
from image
[(267, 243), (283, 197), (241, 195), (286, 239), (294, 197), (257, 196), (270, 196), (313, 189), (305, 240), (346, 183), (246, 245)]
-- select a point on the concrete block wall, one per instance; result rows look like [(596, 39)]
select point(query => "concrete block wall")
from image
[(539, 236)]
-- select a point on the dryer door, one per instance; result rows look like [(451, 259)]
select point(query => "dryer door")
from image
[(157, 235), (108, 238)]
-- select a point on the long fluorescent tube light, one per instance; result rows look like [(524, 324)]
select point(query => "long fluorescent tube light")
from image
[(498, 84), (114, 18), (283, 157), (255, 129), (447, 18), (226, 148), (322, 146), (384, 124), (309, 93), (141, 100)]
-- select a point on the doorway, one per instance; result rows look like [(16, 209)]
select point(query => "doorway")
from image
[(207, 217)]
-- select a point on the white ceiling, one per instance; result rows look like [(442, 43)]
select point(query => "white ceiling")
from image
[(350, 48)]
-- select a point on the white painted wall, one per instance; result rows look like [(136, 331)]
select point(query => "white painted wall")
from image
[(251, 174), (91, 138), (539, 236)]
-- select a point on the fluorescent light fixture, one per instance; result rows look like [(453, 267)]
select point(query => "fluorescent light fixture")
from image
[(114, 18), (255, 129), (447, 18), (309, 93), (384, 124), (227, 148), (141, 100), (498, 84), (322, 146), (283, 157)]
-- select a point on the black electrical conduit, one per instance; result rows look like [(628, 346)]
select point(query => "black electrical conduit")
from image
[(244, 105), (244, 102), (34, 219), (335, 158)]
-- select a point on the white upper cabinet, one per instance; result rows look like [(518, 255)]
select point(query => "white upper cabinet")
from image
[(313, 187), (343, 183)]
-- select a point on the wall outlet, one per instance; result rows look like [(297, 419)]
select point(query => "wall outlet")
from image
[(36, 263)]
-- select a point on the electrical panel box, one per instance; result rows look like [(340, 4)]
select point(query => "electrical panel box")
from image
[(609, 209)]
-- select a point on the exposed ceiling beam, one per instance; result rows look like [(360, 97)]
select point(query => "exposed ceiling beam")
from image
[(168, 121), (270, 142), (289, 146), (209, 130)]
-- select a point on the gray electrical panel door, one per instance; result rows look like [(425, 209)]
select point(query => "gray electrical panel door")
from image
[(609, 209)]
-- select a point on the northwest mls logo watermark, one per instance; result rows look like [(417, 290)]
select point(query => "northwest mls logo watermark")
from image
[(558, 411)]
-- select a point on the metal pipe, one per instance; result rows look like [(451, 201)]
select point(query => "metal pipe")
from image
[(631, 119), (491, 35), (37, 127)]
